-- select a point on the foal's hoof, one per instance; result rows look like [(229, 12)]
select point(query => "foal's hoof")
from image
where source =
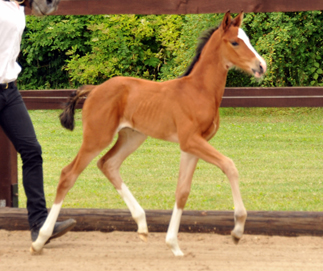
[(175, 249), (235, 239), (236, 236), (143, 236), (34, 252)]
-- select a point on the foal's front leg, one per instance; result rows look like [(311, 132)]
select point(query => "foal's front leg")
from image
[(202, 149), (187, 167)]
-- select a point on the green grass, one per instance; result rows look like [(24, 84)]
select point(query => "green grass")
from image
[(278, 152)]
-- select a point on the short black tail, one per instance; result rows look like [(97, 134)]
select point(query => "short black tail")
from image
[(67, 117)]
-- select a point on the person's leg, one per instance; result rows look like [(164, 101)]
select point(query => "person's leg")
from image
[(16, 123)]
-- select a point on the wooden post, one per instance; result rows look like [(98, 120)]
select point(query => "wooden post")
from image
[(9, 173)]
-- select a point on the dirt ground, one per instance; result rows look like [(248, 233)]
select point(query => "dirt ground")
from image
[(98, 251)]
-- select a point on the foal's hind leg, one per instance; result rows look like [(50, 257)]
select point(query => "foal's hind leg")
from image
[(187, 167), (93, 143), (68, 177), (128, 141)]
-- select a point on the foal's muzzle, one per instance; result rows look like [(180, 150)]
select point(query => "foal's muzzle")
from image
[(260, 68)]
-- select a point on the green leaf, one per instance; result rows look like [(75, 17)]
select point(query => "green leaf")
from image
[(313, 70), (315, 76), (153, 61)]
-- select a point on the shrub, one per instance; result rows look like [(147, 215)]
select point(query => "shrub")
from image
[(66, 51), (291, 44), (128, 45), (45, 43)]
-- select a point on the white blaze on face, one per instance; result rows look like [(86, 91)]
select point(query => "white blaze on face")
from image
[(243, 36)]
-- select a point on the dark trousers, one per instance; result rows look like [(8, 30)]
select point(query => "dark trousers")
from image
[(16, 123)]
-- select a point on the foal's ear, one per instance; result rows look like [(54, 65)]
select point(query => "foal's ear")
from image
[(226, 22), (237, 21)]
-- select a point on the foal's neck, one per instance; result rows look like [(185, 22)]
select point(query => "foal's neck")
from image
[(210, 69)]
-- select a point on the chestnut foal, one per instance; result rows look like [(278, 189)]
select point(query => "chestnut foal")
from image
[(184, 110)]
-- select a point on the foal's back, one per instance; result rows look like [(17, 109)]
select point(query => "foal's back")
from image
[(156, 109)]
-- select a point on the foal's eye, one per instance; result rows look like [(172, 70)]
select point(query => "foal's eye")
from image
[(234, 43)]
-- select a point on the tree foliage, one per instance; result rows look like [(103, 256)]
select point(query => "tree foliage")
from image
[(127, 45), (291, 43), (66, 51), (44, 48)]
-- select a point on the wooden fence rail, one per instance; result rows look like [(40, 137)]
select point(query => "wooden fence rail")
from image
[(84, 7), (233, 97), (220, 222)]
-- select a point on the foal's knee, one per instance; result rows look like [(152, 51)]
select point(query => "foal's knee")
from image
[(230, 169)]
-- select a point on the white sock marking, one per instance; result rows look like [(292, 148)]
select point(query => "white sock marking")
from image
[(171, 237), (47, 229), (136, 210)]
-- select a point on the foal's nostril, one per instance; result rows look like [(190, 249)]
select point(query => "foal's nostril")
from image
[(261, 69)]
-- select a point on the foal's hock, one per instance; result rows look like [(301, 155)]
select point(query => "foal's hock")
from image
[(184, 110)]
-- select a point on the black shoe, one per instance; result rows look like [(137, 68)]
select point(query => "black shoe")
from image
[(60, 229)]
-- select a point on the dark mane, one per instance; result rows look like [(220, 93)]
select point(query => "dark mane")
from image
[(204, 38)]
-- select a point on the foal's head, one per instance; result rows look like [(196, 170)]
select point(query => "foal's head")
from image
[(42, 7), (236, 48)]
